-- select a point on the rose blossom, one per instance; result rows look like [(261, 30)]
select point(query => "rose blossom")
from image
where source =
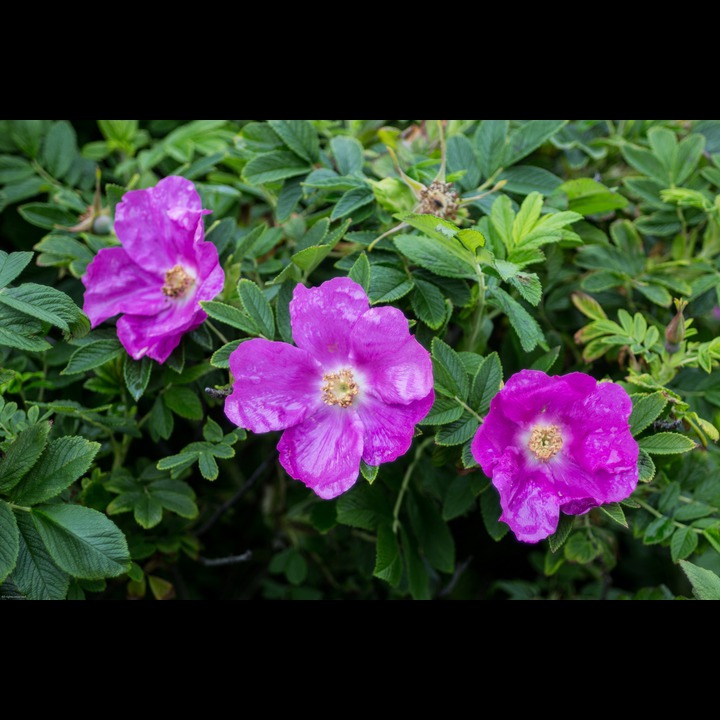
[(354, 386), (556, 443), (159, 274)]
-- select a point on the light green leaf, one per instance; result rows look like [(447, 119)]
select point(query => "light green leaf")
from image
[(348, 153), (221, 358), (273, 166), (615, 511), (81, 541), (645, 410), (428, 303), (22, 454), (666, 443), (257, 307), (589, 197), (300, 136), (705, 583), (527, 216), (388, 284), (12, 265), (440, 257), (369, 472), (36, 575), (360, 272), (9, 540), (64, 461), (230, 315)]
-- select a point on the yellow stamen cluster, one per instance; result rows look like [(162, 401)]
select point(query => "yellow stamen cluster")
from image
[(339, 388), (177, 282), (439, 199), (545, 441)]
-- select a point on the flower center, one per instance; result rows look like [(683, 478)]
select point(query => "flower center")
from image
[(545, 441), (177, 282), (339, 388)]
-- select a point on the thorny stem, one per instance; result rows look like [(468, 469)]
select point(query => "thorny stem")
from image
[(406, 480)]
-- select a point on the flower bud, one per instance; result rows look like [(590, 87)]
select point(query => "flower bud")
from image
[(675, 331)]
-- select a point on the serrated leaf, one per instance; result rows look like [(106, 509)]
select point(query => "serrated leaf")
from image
[(528, 331), (705, 583), (147, 511), (561, 534), (22, 454), (646, 162), (360, 272), (11, 265), (184, 402), (589, 197), (588, 306), (36, 575), (63, 461), (137, 375), (666, 443), (444, 410), (42, 302), (388, 561), (348, 153), (528, 137), (615, 511), (683, 543), (221, 358), (528, 285), (439, 257), (59, 149), (645, 410), (428, 303), (364, 506), (300, 136), (489, 140), (659, 530), (646, 467), (369, 472), (46, 215), (546, 361), (273, 166), (388, 285), (81, 541), (257, 307), (176, 496), (230, 315), (208, 466), (448, 371), (579, 548), (458, 431), (351, 201), (486, 383), (9, 540), (434, 537), (93, 355)]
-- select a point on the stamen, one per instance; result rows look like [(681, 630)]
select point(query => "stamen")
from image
[(339, 388), (545, 441), (177, 282)]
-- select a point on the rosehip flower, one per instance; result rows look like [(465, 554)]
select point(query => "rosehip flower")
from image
[(354, 386), (160, 273), (556, 443)]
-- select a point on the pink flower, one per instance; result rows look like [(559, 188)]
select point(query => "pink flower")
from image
[(354, 387), (159, 274), (556, 443)]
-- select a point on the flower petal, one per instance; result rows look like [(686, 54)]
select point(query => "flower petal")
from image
[(322, 318), (142, 336), (389, 429), (210, 275), (324, 451), (397, 366), (528, 499), (115, 284), (159, 226), (275, 386)]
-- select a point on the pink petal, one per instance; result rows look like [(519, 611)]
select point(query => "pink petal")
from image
[(275, 386), (210, 275), (115, 284), (398, 367), (322, 318), (324, 451), (159, 226), (389, 429)]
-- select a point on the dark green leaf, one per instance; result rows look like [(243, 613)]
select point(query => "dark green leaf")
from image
[(705, 583), (388, 284), (444, 410), (93, 355), (434, 537), (646, 467), (528, 137), (646, 162), (257, 307), (417, 574), (526, 327), (12, 265), (300, 136), (273, 166), (388, 561), (524, 179), (428, 303), (579, 548), (184, 402), (22, 454), (491, 511), (137, 375), (360, 272), (486, 384), (645, 410), (490, 139), (460, 496), (565, 526), (448, 371), (461, 157), (59, 149), (351, 201), (9, 540), (348, 153), (458, 431), (448, 258), (364, 506), (46, 215), (230, 315), (615, 511), (659, 530), (42, 302), (683, 543)]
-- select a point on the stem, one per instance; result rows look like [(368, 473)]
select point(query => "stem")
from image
[(217, 332), (479, 312), (658, 514), (406, 480), (19, 507), (469, 409), (385, 234)]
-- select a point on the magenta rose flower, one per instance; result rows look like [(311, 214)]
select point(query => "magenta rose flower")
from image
[(556, 443), (160, 273), (354, 387)]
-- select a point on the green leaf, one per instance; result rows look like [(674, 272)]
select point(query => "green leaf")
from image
[(147, 511), (705, 583), (527, 217), (360, 272), (645, 410), (184, 402), (646, 162), (229, 315), (524, 179), (528, 285), (417, 574), (161, 419), (273, 166), (212, 432), (428, 303), (614, 510), (348, 153), (12, 265), (526, 327), (93, 355), (655, 293), (458, 431), (19, 331), (589, 197), (9, 540), (59, 149), (22, 454), (491, 511), (388, 561), (448, 370), (434, 536), (63, 461), (351, 201), (489, 141), (558, 538), (176, 496), (300, 136), (208, 466), (528, 137), (666, 443), (688, 155), (646, 467), (447, 258), (546, 361), (257, 307), (444, 410), (486, 383), (683, 543), (369, 472), (36, 575), (579, 548), (461, 158), (460, 496), (42, 302), (137, 375), (388, 285), (364, 506), (221, 357), (588, 306), (46, 215), (81, 541), (658, 531)]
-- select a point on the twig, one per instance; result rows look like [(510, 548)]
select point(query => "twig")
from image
[(230, 560)]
